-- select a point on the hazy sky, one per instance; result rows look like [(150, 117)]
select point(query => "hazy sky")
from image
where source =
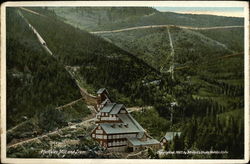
[(224, 11)]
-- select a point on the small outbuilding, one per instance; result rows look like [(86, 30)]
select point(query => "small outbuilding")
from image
[(169, 137)]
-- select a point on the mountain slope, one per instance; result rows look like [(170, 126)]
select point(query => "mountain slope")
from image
[(204, 99), (110, 18), (189, 45), (100, 63), (35, 80)]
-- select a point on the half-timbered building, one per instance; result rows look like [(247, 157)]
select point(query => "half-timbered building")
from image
[(117, 129)]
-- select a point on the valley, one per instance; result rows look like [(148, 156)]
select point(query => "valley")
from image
[(147, 67)]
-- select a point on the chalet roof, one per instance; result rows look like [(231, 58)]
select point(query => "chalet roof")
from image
[(137, 142), (116, 108), (101, 90), (107, 108), (112, 108), (170, 135), (121, 116), (131, 127)]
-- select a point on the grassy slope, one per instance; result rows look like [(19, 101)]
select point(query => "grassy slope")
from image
[(189, 46), (86, 18), (156, 52), (89, 18), (233, 38)]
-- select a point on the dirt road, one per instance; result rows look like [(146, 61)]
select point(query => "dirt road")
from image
[(161, 26)]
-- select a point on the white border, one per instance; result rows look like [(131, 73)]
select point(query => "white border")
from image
[(122, 3)]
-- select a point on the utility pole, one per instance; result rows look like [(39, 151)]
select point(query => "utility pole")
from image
[(172, 105)]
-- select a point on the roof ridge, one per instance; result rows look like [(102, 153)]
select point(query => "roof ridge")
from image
[(136, 123), (110, 104), (114, 107)]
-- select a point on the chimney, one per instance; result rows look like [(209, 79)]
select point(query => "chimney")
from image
[(120, 125), (113, 125), (126, 125)]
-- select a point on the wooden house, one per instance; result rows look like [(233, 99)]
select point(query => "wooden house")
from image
[(117, 130), (168, 138), (102, 98)]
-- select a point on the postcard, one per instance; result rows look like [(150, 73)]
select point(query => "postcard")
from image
[(125, 81)]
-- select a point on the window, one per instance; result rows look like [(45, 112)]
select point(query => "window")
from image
[(99, 136), (109, 144), (109, 136), (93, 135), (99, 127), (104, 136)]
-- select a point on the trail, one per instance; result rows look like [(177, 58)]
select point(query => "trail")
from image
[(137, 108), (15, 127), (31, 11), (170, 41), (84, 123), (164, 26), (83, 91), (172, 55), (69, 104), (147, 26)]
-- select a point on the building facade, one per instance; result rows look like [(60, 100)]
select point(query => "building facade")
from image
[(117, 130)]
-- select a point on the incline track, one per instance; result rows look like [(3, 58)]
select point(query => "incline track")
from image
[(82, 90)]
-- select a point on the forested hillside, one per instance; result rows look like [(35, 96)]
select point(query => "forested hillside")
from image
[(110, 18), (36, 85), (206, 84), (101, 64), (189, 45)]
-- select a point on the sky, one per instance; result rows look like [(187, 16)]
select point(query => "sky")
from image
[(222, 11)]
